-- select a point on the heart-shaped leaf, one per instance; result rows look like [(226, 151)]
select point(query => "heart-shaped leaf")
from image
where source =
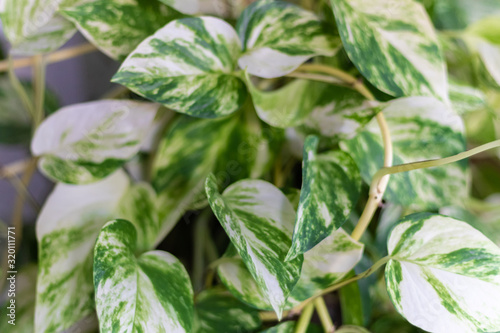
[(444, 276), (188, 66), (149, 293)]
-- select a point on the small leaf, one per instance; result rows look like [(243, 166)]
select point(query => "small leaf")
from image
[(217, 311), (466, 98), (151, 293), (102, 23), (394, 45), (490, 55), (257, 218), (325, 264), (66, 229), (79, 149), (278, 37), (444, 276), (426, 129), (331, 185), (188, 66)]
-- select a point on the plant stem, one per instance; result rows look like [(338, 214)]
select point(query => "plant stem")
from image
[(378, 178), (18, 87), (39, 84), (199, 233), (304, 319), (324, 316)]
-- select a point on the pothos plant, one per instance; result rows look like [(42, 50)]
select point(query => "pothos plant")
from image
[(224, 103)]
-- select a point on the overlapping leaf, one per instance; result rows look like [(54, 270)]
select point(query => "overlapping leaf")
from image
[(444, 275), (79, 149), (151, 293), (185, 6), (217, 311), (331, 185), (394, 45), (117, 26), (466, 98), (193, 148), (323, 265), (188, 66), (458, 14), (421, 128), (67, 228), (258, 219), (278, 37)]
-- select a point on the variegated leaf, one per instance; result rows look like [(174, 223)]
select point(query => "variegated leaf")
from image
[(331, 185), (394, 45), (140, 204), (426, 129), (33, 26), (466, 98), (185, 6), (444, 276), (217, 311), (188, 66), (67, 228), (458, 14), (278, 37), (149, 293), (325, 264), (83, 143), (490, 56), (116, 27), (289, 327), (193, 148), (258, 219)]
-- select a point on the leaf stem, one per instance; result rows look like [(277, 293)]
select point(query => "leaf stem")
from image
[(304, 319), (18, 87), (324, 315), (39, 70)]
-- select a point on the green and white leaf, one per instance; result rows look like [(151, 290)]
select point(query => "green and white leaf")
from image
[(116, 27), (78, 149), (278, 37), (66, 229), (394, 46), (326, 263), (466, 98), (331, 185), (189, 67), (193, 148), (458, 14), (258, 220), (426, 129), (185, 6), (149, 293), (490, 56), (217, 311), (140, 204), (23, 310), (444, 276)]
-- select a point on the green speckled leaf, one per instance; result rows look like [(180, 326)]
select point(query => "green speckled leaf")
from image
[(394, 45), (67, 228), (466, 98), (217, 311), (278, 37), (185, 6), (79, 149), (140, 204), (444, 276), (257, 218), (193, 148), (188, 66), (422, 128), (23, 309), (149, 293), (490, 56), (326, 263), (331, 185), (117, 26)]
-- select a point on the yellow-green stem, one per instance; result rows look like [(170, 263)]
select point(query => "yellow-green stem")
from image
[(18, 87), (304, 319), (39, 69), (324, 316)]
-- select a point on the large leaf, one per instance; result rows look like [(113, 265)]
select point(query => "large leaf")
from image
[(188, 66), (325, 264), (193, 148), (85, 142), (34, 27), (117, 26), (394, 45), (257, 218), (149, 293), (422, 128), (444, 276), (185, 6), (331, 185), (278, 37), (217, 311), (67, 228)]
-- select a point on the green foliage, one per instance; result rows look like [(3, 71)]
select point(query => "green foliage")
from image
[(266, 130)]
